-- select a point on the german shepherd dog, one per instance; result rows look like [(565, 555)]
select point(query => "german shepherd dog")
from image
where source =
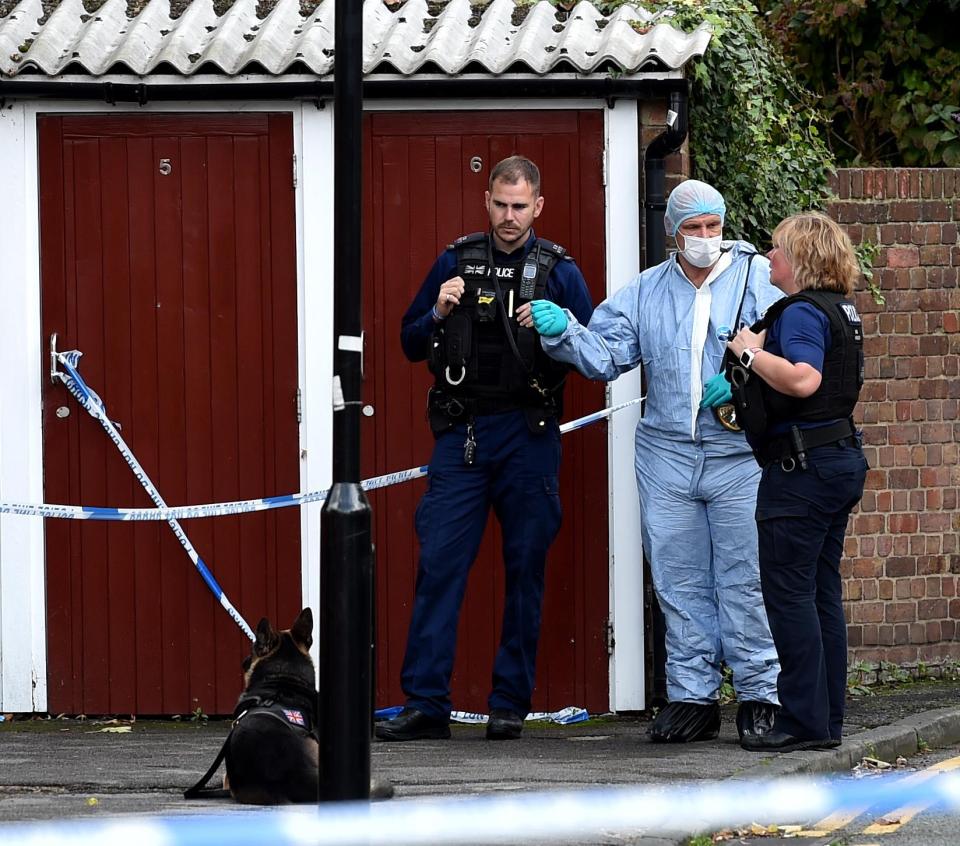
[(272, 753), (273, 757)]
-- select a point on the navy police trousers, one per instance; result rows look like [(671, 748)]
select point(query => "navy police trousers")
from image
[(516, 472), (801, 522)]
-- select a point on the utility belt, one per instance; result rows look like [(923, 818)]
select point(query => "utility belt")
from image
[(446, 411), (791, 450)]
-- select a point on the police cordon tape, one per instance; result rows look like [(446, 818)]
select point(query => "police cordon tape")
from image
[(93, 404), (242, 506), (88, 399), (529, 817)]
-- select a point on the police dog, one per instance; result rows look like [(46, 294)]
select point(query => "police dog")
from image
[(273, 754)]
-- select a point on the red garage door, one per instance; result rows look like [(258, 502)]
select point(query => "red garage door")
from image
[(169, 259), (424, 182)]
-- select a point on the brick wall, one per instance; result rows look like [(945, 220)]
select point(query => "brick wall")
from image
[(902, 560)]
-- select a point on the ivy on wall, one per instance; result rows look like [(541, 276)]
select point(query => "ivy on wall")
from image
[(887, 72), (754, 131)]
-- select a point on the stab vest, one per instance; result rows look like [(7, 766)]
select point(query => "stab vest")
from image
[(471, 355), (842, 374)]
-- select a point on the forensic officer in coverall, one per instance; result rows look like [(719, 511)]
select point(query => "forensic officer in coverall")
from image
[(494, 412), (696, 477)]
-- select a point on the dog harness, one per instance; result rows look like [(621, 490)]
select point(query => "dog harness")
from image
[(298, 720)]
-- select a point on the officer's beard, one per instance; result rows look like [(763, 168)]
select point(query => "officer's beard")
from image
[(511, 238)]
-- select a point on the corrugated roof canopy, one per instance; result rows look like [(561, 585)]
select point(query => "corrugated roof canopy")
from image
[(295, 36)]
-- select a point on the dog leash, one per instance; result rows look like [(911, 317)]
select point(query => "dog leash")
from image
[(200, 789)]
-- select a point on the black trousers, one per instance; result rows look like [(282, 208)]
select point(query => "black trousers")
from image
[(801, 522)]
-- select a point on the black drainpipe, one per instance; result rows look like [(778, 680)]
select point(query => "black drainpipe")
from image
[(654, 171)]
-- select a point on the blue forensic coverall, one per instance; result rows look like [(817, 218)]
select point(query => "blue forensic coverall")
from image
[(517, 473), (801, 520), (697, 481)]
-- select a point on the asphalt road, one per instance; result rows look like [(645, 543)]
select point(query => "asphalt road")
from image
[(97, 770), (903, 824)]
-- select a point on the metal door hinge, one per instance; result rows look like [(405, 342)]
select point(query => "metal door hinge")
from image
[(299, 401), (603, 164), (294, 170), (611, 640)]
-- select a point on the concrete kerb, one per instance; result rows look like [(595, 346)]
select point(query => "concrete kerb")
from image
[(902, 738)]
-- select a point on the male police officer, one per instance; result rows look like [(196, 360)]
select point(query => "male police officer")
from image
[(493, 410)]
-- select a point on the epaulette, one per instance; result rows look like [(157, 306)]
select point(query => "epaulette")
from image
[(473, 237), (550, 246)]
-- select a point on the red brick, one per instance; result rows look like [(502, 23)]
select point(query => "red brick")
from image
[(895, 567), (870, 612), (935, 522), (869, 635), (933, 587), (904, 389), (903, 478), (935, 210), (934, 254), (903, 434), (908, 211), (928, 565), (885, 635), (902, 523), (933, 345), (867, 568), (868, 524), (899, 612), (854, 636), (918, 633), (936, 433)]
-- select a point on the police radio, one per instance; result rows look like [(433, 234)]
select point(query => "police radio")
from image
[(528, 279)]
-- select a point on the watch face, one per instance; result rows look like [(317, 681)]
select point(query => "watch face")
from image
[(746, 357)]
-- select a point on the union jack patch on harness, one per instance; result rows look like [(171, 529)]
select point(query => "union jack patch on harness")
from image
[(294, 717)]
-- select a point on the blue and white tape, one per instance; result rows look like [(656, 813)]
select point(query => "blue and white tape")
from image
[(564, 717), (243, 506), (94, 406), (529, 817)]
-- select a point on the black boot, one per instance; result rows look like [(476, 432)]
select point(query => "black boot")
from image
[(755, 719), (684, 722)]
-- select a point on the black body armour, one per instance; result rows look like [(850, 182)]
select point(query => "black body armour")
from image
[(482, 360), (842, 363), (760, 406)]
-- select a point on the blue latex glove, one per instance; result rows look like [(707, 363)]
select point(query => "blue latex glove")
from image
[(716, 391), (548, 318)]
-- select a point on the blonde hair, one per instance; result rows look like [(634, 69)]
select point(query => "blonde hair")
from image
[(819, 252)]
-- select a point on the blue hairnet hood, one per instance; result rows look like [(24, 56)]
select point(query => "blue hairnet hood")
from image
[(691, 199)]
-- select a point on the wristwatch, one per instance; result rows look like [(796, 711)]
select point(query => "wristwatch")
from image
[(747, 356)]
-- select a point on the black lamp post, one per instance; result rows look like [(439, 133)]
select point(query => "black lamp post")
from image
[(346, 563)]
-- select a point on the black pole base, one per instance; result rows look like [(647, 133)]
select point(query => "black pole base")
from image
[(346, 623)]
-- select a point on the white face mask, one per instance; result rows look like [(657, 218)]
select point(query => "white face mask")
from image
[(701, 252)]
